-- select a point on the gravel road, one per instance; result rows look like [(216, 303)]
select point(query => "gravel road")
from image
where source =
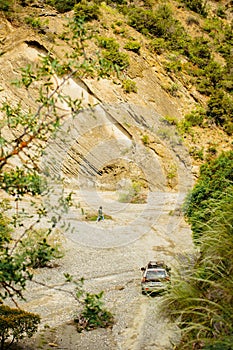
[(109, 255)]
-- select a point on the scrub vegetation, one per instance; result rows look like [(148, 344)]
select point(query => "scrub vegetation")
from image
[(200, 298)]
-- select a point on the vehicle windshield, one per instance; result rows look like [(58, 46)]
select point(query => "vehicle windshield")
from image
[(155, 274)]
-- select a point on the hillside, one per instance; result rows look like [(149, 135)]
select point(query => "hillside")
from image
[(163, 81), (115, 103)]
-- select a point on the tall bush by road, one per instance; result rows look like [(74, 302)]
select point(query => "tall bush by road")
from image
[(201, 299)]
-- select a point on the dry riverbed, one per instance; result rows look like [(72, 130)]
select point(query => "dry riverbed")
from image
[(109, 255)]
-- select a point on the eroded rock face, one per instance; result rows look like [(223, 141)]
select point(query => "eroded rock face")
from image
[(112, 145), (122, 139)]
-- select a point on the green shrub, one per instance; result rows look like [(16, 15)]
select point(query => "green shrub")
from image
[(213, 184), (200, 301), (142, 20), (119, 2), (36, 23), (5, 224), (197, 153), (171, 120), (107, 43), (196, 117), (129, 86), (112, 56), (159, 23), (20, 182), (210, 78), (220, 108), (87, 10), (133, 193), (133, 45), (148, 21), (228, 128), (173, 63), (198, 6), (38, 248), (199, 51), (116, 58), (15, 324), (145, 139), (213, 26), (62, 6), (221, 12), (5, 5), (158, 45), (225, 46), (93, 314), (173, 89)]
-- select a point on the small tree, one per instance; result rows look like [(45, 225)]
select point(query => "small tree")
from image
[(93, 314)]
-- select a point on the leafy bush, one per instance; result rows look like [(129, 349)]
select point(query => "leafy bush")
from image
[(173, 64), (221, 12), (197, 153), (13, 269), (195, 118), (214, 182), (159, 23), (158, 45), (5, 5), (15, 324), (62, 6), (116, 58), (145, 139), (210, 78), (133, 45), (107, 43), (87, 10), (5, 227), (38, 248), (36, 23), (171, 120), (20, 182), (220, 108), (129, 86), (133, 192), (197, 6), (224, 42), (200, 298), (199, 51), (93, 314), (119, 2)]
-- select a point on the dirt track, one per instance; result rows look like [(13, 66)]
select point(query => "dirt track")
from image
[(109, 255)]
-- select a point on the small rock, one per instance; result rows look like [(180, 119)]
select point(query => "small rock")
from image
[(119, 288)]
